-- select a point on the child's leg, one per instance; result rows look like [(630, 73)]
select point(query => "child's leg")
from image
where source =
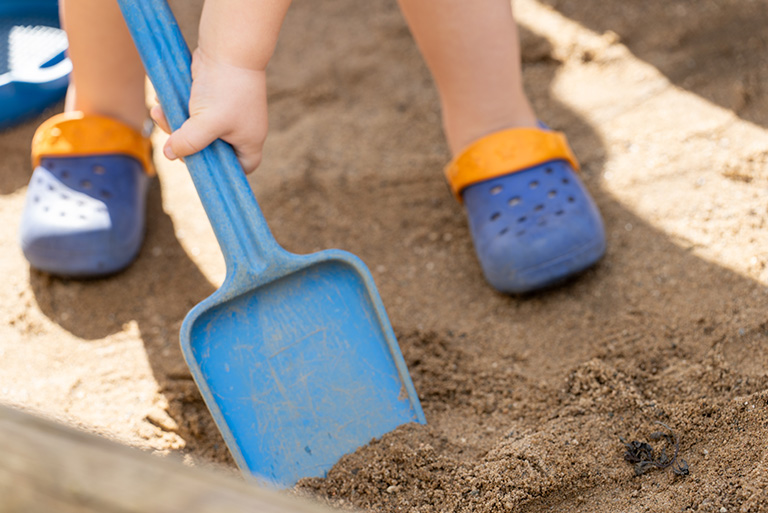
[(472, 50), (532, 221), (107, 76), (84, 213)]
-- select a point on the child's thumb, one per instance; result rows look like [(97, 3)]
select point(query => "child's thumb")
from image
[(190, 138)]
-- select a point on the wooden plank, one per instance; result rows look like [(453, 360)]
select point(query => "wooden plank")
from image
[(46, 466)]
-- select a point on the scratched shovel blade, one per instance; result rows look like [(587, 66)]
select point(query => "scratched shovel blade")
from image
[(300, 369), (293, 354)]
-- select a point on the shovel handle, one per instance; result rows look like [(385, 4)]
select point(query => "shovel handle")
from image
[(243, 235)]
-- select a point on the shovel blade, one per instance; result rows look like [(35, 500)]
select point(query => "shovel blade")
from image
[(301, 370)]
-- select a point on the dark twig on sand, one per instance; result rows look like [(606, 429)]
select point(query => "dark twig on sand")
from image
[(641, 454)]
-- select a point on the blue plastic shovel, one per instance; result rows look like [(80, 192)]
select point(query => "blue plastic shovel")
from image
[(293, 354)]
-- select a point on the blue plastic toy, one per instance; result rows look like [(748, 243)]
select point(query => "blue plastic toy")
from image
[(34, 71), (294, 355)]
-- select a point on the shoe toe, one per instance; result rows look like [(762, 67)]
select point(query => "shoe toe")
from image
[(534, 228), (84, 216)]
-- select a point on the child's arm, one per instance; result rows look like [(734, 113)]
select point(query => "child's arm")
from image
[(228, 96)]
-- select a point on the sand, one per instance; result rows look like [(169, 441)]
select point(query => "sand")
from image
[(527, 398)]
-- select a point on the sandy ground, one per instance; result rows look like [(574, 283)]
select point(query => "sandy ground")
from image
[(666, 104)]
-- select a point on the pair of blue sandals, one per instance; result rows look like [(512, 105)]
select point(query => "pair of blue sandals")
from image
[(532, 221)]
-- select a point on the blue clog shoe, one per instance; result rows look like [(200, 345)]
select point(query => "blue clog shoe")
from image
[(85, 205), (532, 221)]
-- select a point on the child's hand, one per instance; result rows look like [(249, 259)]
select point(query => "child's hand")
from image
[(226, 102)]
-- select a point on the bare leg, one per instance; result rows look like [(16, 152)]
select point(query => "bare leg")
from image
[(473, 52), (108, 77)]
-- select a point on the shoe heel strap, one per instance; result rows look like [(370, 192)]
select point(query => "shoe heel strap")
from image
[(74, 134), (505, 152)]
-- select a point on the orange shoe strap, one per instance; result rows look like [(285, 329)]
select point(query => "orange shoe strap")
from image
[(74, 134), (505, 152)]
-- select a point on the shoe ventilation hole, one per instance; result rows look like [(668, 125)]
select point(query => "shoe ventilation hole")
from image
[(39, 179), (551, 194), (548, 171), (45, 209), (495, 190), (49, 164), (522, 219), (542, 222), (36, 199), (566, 181), (571, 199), (503, 231), (80, 203), (514, 201), (65, 174), (99, 170), (62, 213), (538, 208), (533, 184), (105, 194), (560, 212), (50, 187), (495, 216), (85, 184), (64, 196)]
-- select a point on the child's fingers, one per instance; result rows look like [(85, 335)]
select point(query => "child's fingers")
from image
[(190, 138), (249, 160), (194, 135), (158, 116)]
